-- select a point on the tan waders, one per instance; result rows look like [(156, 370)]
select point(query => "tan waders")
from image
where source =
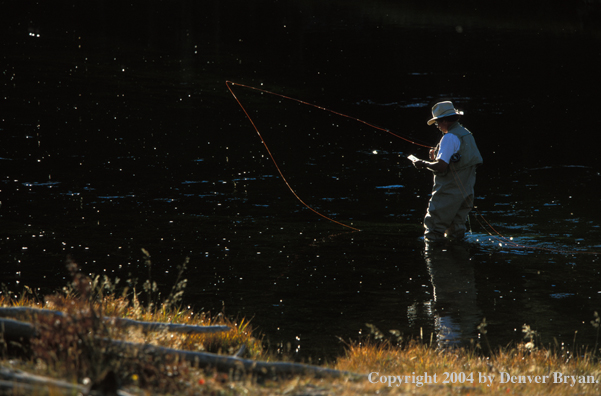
[(453, 192), (452, 200)]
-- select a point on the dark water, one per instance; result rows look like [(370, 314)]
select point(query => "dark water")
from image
[(118, 133)]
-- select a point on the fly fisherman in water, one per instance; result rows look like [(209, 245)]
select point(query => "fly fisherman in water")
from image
[(453, 162)]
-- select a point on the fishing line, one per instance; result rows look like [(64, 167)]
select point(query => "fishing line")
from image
[(324, 109), (478, 216), (273, 159)]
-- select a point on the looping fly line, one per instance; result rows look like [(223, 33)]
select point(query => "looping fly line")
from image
[(317, 107), (508, 242), (230, 83)]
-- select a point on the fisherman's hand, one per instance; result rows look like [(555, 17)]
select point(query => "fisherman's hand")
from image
[(432, 154), (419, 164)]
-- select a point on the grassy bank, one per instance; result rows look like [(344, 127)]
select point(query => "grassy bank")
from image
[(78, 347)]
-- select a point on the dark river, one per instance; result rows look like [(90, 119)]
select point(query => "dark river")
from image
[(118, 133)]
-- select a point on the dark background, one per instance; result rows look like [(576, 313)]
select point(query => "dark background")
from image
[(117, 132)]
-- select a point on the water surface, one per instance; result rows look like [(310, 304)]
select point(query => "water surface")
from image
[(118, 133)]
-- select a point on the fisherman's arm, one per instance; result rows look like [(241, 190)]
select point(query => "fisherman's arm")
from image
[(436, 166)]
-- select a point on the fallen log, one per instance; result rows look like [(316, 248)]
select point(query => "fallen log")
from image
[(172, 327), (16, 312), (16, 329), (226, 363), (21, 383)]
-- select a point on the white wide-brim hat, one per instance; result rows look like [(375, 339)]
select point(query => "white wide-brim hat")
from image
[(443, 109)]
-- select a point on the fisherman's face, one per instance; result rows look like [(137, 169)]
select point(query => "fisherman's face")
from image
[(442, 125)]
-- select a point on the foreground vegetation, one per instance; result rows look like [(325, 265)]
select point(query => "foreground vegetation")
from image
[(78, 347)]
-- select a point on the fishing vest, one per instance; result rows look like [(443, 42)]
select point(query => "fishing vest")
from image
[(469, 155)]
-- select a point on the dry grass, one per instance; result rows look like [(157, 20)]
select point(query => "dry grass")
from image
[(518, 370), (74, 348), (77, 347)]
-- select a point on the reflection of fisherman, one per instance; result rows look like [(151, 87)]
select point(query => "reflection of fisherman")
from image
[(454, 162), (455, 297)]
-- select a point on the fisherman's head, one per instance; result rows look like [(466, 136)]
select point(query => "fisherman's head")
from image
[(444, 114)]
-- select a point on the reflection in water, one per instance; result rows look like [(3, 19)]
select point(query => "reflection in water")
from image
[(456, 313)]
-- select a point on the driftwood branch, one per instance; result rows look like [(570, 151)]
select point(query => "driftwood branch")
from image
[(21, 383), (16, 329), (233, 363), (15, 312), (173, 327), (211, 360)]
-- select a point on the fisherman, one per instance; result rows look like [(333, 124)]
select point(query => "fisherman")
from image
[(453, 161)]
